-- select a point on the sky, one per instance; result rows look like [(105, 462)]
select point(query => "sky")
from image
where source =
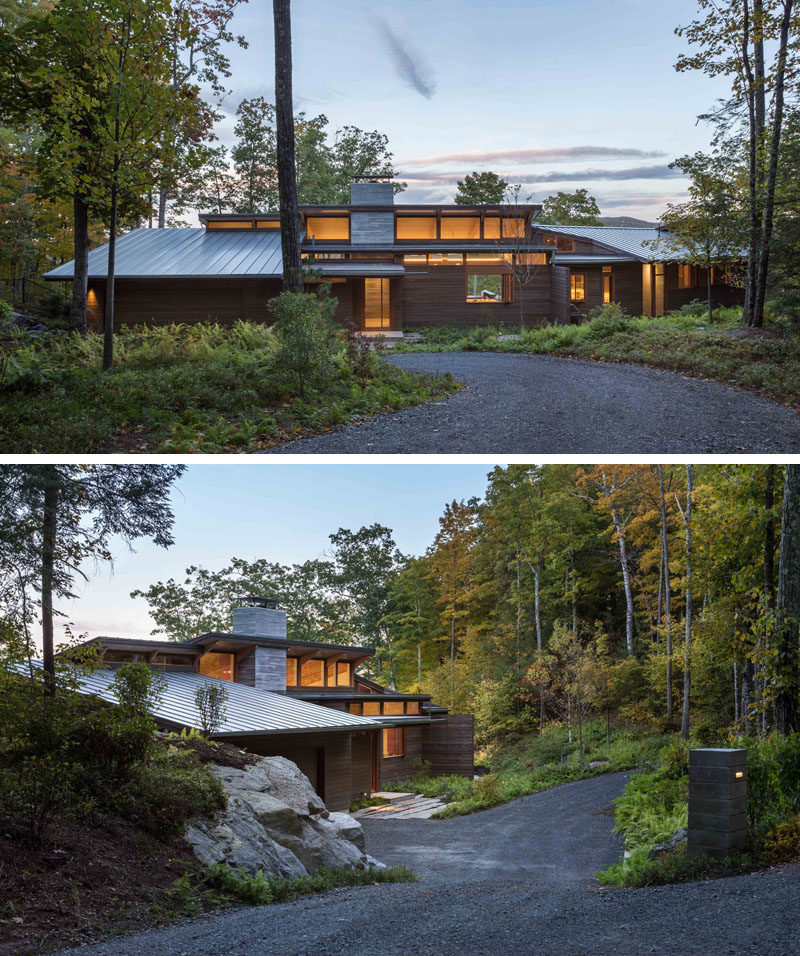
[(553, 94), (283, 513)]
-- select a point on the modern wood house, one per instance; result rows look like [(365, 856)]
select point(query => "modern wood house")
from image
[(301, 700), (392, 267), (631, 266)]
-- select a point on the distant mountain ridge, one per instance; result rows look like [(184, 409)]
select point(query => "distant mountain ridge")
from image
[(626, 221)]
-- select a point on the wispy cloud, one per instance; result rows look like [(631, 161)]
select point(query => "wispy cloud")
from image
[(410, 65), (537, 154), (429, 178)]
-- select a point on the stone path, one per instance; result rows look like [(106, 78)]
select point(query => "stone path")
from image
[(405, 806)]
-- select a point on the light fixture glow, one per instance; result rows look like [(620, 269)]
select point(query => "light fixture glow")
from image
[(739, 774)]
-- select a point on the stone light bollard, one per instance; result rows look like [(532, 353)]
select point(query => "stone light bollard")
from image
[(717, 802)]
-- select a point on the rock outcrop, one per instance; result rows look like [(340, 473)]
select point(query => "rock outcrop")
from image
[(673, 843), (275, 822)]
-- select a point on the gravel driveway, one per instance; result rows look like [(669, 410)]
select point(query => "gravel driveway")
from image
[(512, 881), (535, 404)]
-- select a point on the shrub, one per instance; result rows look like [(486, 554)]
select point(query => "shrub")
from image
[(211, 700), (137, 688), (487, 789), (306, 335), (782, 844)]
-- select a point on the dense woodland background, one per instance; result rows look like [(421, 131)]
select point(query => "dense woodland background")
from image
[(563, 591)]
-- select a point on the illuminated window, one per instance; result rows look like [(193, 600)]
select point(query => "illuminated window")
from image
[(686, 277), (412, 706), (532, 259), (344, 674), (513, 228), (312, 674), (460, 227), (172, 660), (354, 707), (394, 742), (268, 224), (327, 227), (291, 671), (393, 708), (217, 665), (416, 260), (608, 284), (416, 227), (372, 708), (488, 288), (486, 257), (446, 259), (230, 224), (491, 227), (577, 288), (377, 309)]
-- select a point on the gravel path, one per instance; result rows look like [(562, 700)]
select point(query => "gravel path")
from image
[(513, 881), (535, 404)]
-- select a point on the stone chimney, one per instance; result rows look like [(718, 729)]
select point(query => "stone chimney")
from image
[(372, 193), (265, 667), (370, 226)]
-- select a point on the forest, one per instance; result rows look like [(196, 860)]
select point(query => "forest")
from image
[(646, 591)]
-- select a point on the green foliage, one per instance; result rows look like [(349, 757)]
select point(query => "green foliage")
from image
[(782, 845), (481, 189), (364, 802), (137, 688), (577, 208), (179, 388), (223, 885), (211, 700)]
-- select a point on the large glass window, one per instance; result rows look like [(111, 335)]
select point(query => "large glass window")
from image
[(393, 708), (354, 707), (416, 227), (372, 708), (328, 227), (268, 224), (217, 665), (513, 228), (491, 227), (291, 671), (312, 674), (230, 224), (338, 674), (686, 277), (460, 227), (608, 284), (577, 287), (446, 259), (488, 288), (394, 742)]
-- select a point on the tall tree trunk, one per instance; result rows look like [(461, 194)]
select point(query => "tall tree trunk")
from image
[(626, 577), (108, 313), (687, 659), (49, 531), (788, 607), (772, 169), (667, 608), (537, 573), (80, 282), (162, 208), (284, 124), (418, 608), (518, 627), (573, 591), (769, 577), (755, 119)]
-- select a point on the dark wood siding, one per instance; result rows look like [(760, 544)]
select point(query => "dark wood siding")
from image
[(246, 670), (627, 287), (436, 295), (449, 745), (559, 293), (361, 774), (401, 768)]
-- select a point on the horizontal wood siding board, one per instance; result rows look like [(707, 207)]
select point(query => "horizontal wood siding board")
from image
[(449, 745), (361, 773), (402, 768), (437, 296)]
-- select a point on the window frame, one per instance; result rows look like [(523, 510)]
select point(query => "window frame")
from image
[(573, 286), (399, 734)]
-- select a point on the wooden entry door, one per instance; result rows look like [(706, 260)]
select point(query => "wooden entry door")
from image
[(377, 305)]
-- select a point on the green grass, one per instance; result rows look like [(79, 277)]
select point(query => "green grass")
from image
[(225, 886), (182, 389), (533, 763), (680, 342)]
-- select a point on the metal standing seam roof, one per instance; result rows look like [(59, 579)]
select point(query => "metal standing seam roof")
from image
[(186, 253), (248, 711), (638, 241)]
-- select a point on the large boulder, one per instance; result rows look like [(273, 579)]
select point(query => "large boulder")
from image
[(677, 838), (276, 822)]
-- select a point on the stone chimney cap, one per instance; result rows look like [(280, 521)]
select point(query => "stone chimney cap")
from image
[(256, 601)]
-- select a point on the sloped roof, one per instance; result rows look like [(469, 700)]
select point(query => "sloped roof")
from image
[(186, 253), (248, 711), (638, 241)]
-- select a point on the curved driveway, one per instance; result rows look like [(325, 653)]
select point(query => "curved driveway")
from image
[(512, 881), (536, 404)]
